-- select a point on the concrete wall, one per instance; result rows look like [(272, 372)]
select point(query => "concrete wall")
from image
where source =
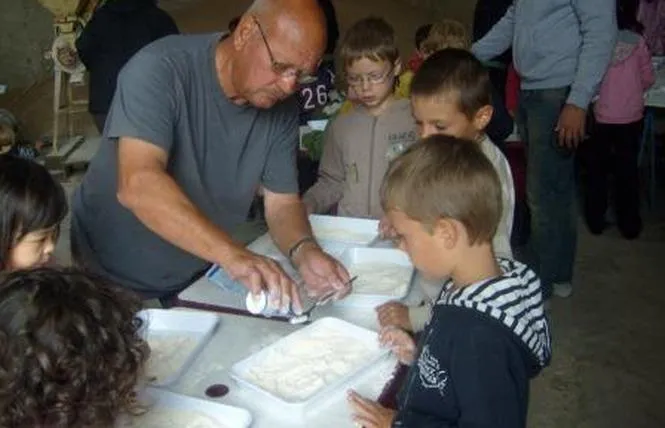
[(26, 31)]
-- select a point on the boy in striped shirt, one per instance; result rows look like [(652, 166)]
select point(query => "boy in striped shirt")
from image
[(488, 334)]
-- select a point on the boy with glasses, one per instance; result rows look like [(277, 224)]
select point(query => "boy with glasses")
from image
[(359, 145)]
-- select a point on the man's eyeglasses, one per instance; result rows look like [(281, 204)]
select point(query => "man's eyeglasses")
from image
[(284, 70), (372, 78)]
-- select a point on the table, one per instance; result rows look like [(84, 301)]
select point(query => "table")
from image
[(240, 336), (654, 99)]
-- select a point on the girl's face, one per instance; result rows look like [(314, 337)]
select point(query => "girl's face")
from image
[(34, 249)]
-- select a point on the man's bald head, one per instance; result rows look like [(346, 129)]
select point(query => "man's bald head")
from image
[(300, 23), (295, 37)]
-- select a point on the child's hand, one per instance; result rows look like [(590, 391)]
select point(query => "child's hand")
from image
[(394, 314), (400, 343), (386, 229), (368, 414)]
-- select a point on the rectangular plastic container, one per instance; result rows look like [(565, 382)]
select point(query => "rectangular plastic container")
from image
[(240, 371), (375, 255), (335, 234), (165, 322), (356, 231), (226, 416)]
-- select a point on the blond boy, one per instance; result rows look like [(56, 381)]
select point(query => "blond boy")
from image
[(488, 334), (451, 95)]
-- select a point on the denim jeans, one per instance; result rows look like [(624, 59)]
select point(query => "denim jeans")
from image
[(551, 191)]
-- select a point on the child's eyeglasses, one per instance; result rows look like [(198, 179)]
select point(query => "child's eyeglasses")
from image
[(284, 70), (372, 78)]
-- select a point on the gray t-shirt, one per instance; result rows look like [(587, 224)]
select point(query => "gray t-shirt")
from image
[(218, 153)]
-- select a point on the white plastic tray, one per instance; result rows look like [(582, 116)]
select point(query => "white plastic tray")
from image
[(335, 235), (165, 322), (359, 231), (375, 255), (226, 416), (240, 371)]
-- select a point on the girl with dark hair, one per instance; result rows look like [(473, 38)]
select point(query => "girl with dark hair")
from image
[(614, 143), (71, 350), (33, 205)]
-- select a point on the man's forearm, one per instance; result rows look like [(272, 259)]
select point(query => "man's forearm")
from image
[(498, 39), (287, 220), (159, 203), (599, 31)]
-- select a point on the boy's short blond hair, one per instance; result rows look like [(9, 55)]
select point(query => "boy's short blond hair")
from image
[(372, 38), (7, 135), (446, 34), (443, 177)]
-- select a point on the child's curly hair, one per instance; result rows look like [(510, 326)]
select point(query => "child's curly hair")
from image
[(71, 351)]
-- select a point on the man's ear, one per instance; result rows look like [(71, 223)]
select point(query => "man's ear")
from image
[(244, 32), (482, 117)]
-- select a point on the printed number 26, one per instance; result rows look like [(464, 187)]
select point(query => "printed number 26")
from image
[(310, 101)]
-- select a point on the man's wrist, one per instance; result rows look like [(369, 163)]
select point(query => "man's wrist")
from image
[(301, 246)]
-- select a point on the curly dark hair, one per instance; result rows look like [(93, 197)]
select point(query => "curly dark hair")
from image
[(71, 350)]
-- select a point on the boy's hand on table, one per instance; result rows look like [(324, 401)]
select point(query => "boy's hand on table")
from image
[(394, 314), (400, 343), (369, 414)]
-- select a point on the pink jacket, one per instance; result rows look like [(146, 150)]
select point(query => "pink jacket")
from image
[(630, 74)]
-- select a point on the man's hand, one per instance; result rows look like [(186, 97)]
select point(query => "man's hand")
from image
[(400, 343), (369, 414), (321, 273), (259, 273), (394, 314), (571, 126)]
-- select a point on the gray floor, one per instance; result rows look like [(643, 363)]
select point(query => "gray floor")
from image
[(609, 337)]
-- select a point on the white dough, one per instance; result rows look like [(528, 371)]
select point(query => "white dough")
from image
[(165, 417), (389, 279), (301, 367), (168, 353)]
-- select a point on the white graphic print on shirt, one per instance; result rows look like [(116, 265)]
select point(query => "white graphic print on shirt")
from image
[(430, 372)]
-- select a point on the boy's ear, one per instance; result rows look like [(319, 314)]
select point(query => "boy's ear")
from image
[(397, 66), (446, 230), (483, 117)]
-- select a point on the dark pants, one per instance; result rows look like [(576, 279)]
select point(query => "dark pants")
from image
[(612, 151), (550, 182), (100, 120), (498, 77)]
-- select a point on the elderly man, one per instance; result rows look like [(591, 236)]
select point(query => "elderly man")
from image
[(198, 123)]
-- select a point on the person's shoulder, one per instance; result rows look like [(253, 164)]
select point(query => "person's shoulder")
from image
[(177, 51), (467, 321), (180, 45), (493, 152), (403, 89)]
